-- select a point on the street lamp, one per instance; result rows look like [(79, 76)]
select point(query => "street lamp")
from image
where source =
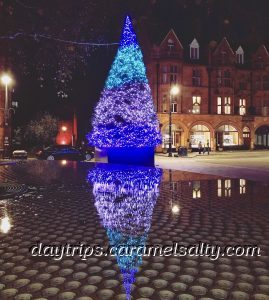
[(173, 92), (6, 80)]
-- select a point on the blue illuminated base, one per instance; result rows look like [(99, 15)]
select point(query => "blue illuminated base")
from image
[(143, 156)]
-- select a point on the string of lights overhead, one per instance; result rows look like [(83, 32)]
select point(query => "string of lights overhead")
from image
[(37, 36)]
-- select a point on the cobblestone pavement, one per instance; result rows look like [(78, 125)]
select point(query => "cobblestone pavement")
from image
[(59, 206)]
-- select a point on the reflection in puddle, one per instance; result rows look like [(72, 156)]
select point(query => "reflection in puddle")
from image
[(125, 198), (59, 206), (5, 224)]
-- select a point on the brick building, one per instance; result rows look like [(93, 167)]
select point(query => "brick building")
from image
[(224, 93)]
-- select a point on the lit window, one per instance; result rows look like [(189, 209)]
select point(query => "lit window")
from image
[(227, 105), (194, 50), (227, 188), (196, 103), (224, 188), (219, 102), (174, 107), (196, 189), (242, 107), (242, 186), (246, 132), (219, 188)]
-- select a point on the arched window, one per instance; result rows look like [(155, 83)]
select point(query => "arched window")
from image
[(199, 133), (227, 135)]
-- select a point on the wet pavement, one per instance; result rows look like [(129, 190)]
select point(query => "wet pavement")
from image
[(82, 203)]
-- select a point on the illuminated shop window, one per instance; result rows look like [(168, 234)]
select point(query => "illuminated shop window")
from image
[(227, 135), (199, 133)]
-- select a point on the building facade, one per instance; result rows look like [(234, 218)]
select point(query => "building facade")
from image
[(67, 131), (223, 99)]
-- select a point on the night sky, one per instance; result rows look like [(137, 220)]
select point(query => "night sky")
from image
[(54, 76)]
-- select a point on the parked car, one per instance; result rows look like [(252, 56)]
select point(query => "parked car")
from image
[(64, 152), (19, 154)]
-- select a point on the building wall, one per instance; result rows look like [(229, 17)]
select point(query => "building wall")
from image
[(242, 89), (67, 132)]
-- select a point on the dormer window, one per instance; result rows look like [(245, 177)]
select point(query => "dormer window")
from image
[(194, 50), (170, 44), (240, 55)]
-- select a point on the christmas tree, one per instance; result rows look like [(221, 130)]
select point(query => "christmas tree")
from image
[(125, 198), (125, 116)]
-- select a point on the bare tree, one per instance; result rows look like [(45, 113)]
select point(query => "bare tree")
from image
[(42, 131)]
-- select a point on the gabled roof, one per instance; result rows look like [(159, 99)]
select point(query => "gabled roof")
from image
[(194, 43), (171, 32), (226, 44), (262, 48)]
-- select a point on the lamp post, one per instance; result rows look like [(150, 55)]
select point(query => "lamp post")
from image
[(173, 92), (6, 81)]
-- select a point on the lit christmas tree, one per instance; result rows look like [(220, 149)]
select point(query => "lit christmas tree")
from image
[(124, 117), (125, 198)]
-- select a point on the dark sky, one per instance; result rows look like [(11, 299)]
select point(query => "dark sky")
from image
[(45, 70)]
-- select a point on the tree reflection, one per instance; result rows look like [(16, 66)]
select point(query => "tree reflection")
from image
[(125, 198)]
